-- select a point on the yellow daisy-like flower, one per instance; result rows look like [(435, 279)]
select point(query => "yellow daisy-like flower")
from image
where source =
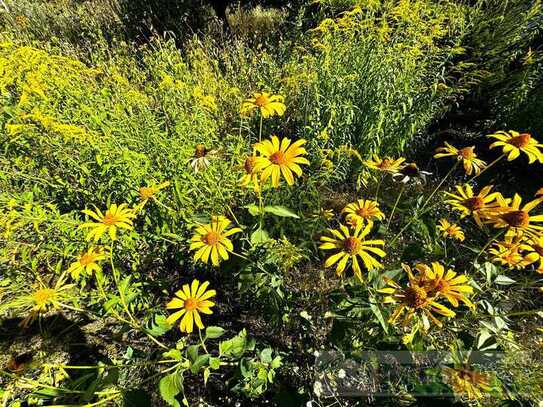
[(325, 214), (478, 205), (386, 164), (363, 211), (413, 300), (517, 220), (535, 247), (513, 144), (149, 192), (450, 285), (280, 157), (44, 298), (211, 240), (192, 300), (351, 247), (115, 217), (251, 176), (87, 262), (466, 155), (269, 105), (450, 230), (509, 252), (467, 383)]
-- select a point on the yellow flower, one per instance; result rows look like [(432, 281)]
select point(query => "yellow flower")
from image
[(478, 205), (115, 217), (325, 214), (192, 300), (386, 164), (450, 230), (211, 240), (44, 299), (466, 155), (269, 105), (363, 211), (513, 144), (149, 192), (448, 284), (87, 262), (467, 383), (413, 300), (517, 220), (535, 247), (280, 157), (251, 175), (351, 247)]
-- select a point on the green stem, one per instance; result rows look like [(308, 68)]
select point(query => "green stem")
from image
[(486, 246), (260, 131), (379, 187), (395, 205), (439, 185), (486, 168)]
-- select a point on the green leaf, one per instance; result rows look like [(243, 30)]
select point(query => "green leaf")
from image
[(169, 387), (377, 312), (199, 363), (259, 236), (266, 355), (504, 280), (214, 332), (158, 326), (281, 211), (214, 363), (253, 209), (192, 352)]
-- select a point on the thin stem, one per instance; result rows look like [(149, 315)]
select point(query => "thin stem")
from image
[(260, 131), (395, 205), (379, 187), (486, 246), (486, 168), (439, 185), (202, 340)]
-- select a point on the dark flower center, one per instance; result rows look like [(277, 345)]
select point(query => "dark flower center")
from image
[(520, 141), (351, 245), (516, 219), (278, 158), (415, 296), (474, 203)]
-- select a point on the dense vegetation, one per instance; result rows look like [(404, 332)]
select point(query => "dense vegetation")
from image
[(203, 211)]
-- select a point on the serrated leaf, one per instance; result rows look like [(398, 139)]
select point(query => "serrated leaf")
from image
[(169, 387)]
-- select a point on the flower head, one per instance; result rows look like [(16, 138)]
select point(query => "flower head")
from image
[(513, 144), (115, 217), (478, 205), (149, 192), (467, 383), (450, 230), (439, 283), (251, 175), (192, 300), (466, 155), (410, 172), (280, 158), (535, 248), (352, 246), (87, 262), (200, 160), (269, 105), (413, 300), (211, 240), (509, 252), (515, 218), (386, 164), (363, 211)]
